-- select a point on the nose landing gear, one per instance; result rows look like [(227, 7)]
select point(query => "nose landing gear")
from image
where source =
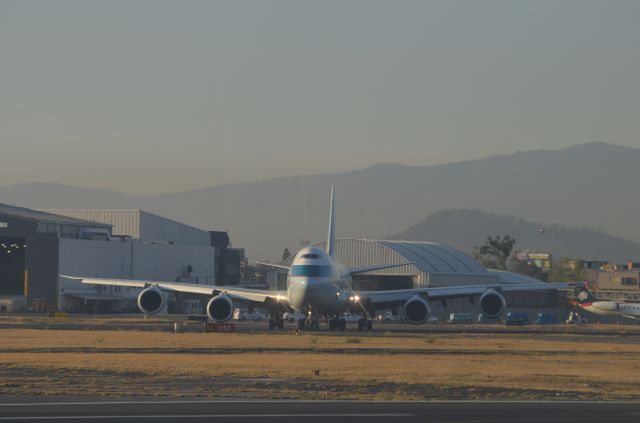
[(310, 324)]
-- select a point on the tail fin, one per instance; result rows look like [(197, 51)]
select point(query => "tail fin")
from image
[(584, 295), (331, 236)]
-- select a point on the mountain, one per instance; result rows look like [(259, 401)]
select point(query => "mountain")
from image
[(593, 185), (466, 229)]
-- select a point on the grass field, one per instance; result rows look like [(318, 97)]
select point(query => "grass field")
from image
[(380, 366)]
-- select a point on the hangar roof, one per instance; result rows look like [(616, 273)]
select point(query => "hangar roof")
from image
[(421, 257), (43, 217), (434, 257), (428, 263)]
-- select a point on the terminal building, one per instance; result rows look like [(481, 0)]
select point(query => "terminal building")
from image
[(37, 246)]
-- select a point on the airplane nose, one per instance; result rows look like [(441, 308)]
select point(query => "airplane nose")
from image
[(303, 293), (297, 294)]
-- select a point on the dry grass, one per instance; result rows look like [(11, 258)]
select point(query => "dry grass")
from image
[(67, 339), (264, 365)]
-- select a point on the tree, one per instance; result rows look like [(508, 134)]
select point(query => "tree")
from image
[(495, 252), (567, 270), (286, 254), (525, 268)]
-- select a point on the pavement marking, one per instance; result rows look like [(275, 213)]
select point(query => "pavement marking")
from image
[(203, 416), (240, 401)]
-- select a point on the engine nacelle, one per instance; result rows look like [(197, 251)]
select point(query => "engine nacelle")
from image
[(151, 300), (220, 308), (491, 304), (416, 310)]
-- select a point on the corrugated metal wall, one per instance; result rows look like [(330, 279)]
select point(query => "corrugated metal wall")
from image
[(129, 260), (142, 225), (361, 252), (158, 228), (124, 222)]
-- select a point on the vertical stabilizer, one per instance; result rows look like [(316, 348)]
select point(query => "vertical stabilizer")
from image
[(331, 236)]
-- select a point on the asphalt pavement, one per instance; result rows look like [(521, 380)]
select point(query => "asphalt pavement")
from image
[(30, 410)]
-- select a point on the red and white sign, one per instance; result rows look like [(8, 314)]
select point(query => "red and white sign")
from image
[(220, 327)]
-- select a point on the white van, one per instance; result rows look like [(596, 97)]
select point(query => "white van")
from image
[(239, 314)]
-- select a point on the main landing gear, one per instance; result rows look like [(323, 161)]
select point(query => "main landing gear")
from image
[(276, 321), (365, 324), (337, 323)]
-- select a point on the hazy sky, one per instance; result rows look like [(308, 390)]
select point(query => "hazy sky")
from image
[(154, 96)]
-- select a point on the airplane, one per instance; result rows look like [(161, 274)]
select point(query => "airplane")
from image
[(587, 301), (320, 286)]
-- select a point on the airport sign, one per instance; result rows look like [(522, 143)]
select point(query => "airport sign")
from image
[(219, 327)]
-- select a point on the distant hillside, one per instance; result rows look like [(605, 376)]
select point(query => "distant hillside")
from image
[(593, 185), (465, 229)]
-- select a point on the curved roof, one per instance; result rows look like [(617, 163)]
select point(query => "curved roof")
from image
[(426, 257), (434, 257)]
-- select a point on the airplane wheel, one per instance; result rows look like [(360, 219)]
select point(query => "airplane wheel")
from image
[(332, 324)]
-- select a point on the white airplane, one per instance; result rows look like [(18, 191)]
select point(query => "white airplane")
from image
[(318, 285), (587, 301)]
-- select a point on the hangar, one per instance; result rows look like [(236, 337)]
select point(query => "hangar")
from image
[(37, 246), (29, 245), (429, 264)]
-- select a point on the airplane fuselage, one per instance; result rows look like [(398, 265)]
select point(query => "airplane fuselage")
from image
[(318, 283), (613, 308)]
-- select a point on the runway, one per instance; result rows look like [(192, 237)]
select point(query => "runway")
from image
[(22, 409)]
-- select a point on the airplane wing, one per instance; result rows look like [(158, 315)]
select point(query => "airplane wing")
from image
[(355, 270), (631, 316), (275, 266), (255, 295), (402, 295)]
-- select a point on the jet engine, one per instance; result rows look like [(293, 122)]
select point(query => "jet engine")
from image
[(220, 308), (416, 310), (151, 300), (491, 304)]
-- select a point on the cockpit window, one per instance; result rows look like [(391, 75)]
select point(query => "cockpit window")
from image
[(310, 270), (310, 256)]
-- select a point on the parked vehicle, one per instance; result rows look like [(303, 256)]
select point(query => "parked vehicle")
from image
[(517, 318), (352, 317), (460, 318), (484, 319), (292, 317), (575, 319), (546, 319), (389, 317), (242, 315)]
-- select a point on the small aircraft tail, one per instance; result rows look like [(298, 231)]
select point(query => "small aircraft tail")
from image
[(584, 295), (331, 236)]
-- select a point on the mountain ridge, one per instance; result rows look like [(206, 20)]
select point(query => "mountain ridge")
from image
[(468, 228), (592, 185)]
